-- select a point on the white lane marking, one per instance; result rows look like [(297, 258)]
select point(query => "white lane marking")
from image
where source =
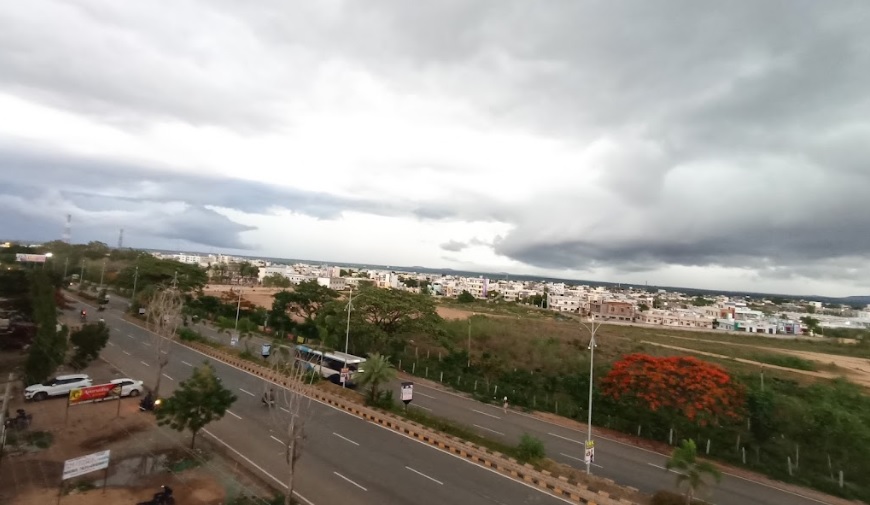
[(164, 352), (143, 362), (230, 412), (273, 437), (285, 410), (130, 335), (127, 353), (484, 413), (258, 467), (168, 377), (424, 475), (424, 394), (111, 344), (146, 343), (566, 438), (488, 429), (247, 392), (581, 459), (345, 438), (352, 482), (186, 363), (422, 407)]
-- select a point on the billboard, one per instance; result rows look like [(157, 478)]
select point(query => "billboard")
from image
[(30, 258), (85, 464), (95, 394), (407, 392)]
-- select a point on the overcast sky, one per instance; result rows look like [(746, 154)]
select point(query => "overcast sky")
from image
[(703, 144)]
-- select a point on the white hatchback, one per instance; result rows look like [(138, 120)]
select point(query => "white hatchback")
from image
[(129, 387), (58, 386)]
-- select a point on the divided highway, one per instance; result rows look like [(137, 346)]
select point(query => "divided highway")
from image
[(626, 464), (345, 459)]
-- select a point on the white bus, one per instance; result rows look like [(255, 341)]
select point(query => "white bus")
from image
[(330, 363)]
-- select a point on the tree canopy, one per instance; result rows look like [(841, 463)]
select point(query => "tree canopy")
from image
[(699, 391), (87, 343), (196, 402)]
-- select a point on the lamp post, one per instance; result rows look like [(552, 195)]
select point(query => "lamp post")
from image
[(135, 281), (102, 273), (592, 327), (65, 267), (238, 309), (48, 256), (347, 331), (468, 365)]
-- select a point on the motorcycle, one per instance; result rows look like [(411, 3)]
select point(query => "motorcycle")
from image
[(21, 421), (162, 497), (149, 403)]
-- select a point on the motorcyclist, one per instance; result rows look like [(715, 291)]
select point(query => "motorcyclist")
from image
[(269, 397), (147, 403), (84, 314), (163, 495)]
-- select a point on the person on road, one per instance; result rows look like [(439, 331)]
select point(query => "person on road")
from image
[(269, 397), (505, 405)]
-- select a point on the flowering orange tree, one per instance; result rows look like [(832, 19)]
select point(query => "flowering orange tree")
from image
[(700, 392)]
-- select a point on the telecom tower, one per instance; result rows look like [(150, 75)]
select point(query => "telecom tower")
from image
[(67, 229), (121, 239)]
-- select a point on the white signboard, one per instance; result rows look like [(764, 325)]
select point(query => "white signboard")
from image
[(407, 391), (30, 258), (589, 456), (85, 464)]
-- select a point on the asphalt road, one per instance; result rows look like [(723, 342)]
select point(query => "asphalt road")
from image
[(628, 465), (345, 459)]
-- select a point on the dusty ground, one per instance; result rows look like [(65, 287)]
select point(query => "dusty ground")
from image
[(858, 369), (140, 453), (255, 295)]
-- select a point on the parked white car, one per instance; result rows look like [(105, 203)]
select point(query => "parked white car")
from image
[(58, 386), (129, 387)]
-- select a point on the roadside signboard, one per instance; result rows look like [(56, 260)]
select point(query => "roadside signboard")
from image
[(407, 392), (266, 350), (85, 464), (30, 258), (345, 375), (95, 394), (234, 340), (590, 452)]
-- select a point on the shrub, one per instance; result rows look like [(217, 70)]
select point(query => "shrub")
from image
[(530, 448), (188, 335), (670, 498)]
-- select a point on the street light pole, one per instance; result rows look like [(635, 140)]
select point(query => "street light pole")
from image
[(347, 332), (102, 272), (592, 327), (468, 365), (238, 309), (65, 266), (82, 275), (135, 280)]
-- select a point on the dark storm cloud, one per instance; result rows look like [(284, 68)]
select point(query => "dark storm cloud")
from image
[(454, 246), (37, 190)]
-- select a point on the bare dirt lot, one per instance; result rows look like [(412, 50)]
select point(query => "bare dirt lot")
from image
[(143, 456), (256, 295)]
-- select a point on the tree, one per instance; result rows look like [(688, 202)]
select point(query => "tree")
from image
[(196, 402), (643, 307), (378, 370), (164, 317), (307, 298), (812, 324), (294, 410), (465, 297), (690, 470), (48, 349), (248, 271), (699, 391), (87, 343), (276, 280)]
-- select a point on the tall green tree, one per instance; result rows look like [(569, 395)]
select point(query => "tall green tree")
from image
[(276, 280), (48, 349), (196, 402), (691, 471), (377, 370), (87, 343)]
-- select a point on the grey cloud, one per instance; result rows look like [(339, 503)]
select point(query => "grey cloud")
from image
[(454, 246)]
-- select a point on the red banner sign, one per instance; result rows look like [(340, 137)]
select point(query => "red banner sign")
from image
[(95, 394)]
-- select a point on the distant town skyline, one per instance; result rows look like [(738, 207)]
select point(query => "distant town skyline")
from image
[(717, 148)]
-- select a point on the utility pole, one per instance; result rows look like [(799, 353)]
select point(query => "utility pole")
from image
[(592, 327), (238, 308), (82, 275), (102, 273), (469, 342), (347, 332), (65, 266), (135, 280)]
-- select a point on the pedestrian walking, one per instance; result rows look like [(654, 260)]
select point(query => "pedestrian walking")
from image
[(505, 405)]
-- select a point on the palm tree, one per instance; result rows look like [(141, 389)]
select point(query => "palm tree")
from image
[(690, 470), (377, 370)]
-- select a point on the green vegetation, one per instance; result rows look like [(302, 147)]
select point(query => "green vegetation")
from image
[(530, 449), (87, 343), (276, 280), (786, 361), (196, 402), (48, 350), (691, 471), (378, 370)]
